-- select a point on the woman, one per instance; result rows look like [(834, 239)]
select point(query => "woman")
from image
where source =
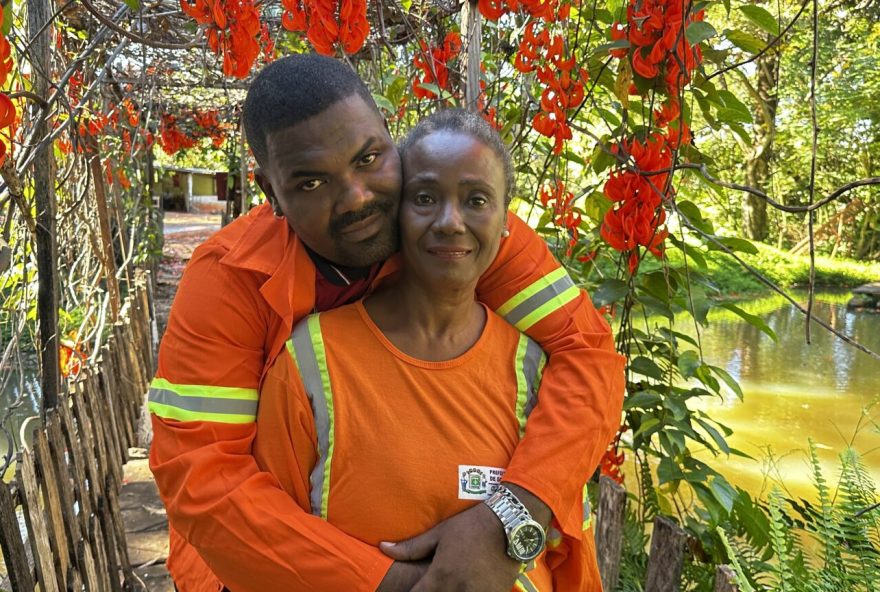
[(392, 414)]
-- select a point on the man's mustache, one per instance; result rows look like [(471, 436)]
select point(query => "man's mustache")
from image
[(339, 223)]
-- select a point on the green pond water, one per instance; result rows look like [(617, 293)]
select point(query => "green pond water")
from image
[(793, 391)]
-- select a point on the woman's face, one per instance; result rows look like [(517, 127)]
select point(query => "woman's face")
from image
[(452, 212)]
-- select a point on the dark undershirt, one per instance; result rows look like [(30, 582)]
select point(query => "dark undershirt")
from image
[(336, 285)]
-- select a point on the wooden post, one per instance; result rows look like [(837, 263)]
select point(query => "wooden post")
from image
[(14, 552), (666, 558), (107, 255), (725, 579), (609, 531), (470, 62), (39, 13)]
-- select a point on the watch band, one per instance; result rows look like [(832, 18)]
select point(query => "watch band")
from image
[(516, 520)]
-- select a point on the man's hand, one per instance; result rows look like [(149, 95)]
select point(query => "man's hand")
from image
[(469, 554), (402, 576)]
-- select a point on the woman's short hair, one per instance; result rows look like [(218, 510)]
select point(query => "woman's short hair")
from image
[(466, 122)]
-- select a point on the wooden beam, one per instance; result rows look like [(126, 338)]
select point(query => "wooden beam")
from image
[(107, 254), (470, 57), (39, 14)]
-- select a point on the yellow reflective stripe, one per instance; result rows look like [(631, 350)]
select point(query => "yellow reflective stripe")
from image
[(556, 303), (169, 412), (317, 338), (522, 387), (531, 290), (213, 392), (194, 402)]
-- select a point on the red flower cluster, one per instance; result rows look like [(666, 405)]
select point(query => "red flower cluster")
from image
[(327, 22), (637, 214), (548, 10), (233, 27), (613, 460), (206, 125), (564, 216), (563, 87), (434, 64), (7, 109), (171, 138), (656, 36)]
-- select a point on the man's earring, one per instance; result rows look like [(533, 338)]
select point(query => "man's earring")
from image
[(505, 233), (279, 216)]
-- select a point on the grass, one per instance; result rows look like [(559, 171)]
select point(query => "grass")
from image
[(784, 270)]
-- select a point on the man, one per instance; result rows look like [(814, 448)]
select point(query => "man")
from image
[(332, 176)]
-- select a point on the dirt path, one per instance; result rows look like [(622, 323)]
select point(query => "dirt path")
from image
[(146, 526)]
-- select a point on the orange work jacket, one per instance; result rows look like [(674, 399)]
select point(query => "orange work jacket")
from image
[(235, 307)]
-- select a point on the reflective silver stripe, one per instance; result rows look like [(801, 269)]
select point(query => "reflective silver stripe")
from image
[(307, 364), (533, 367), (587, 515), (538, 299), (203, 404), (526, 583)]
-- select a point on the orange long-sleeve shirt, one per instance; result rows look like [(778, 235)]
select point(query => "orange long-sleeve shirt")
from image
[(236, 305), (413, 442)]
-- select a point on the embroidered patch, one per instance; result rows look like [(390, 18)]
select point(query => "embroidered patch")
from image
[(478, 483)]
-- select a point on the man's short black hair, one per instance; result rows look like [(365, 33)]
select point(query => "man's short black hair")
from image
[(459, 120), (293, 89)]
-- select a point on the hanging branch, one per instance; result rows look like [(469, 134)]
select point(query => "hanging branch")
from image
[(814, 148)]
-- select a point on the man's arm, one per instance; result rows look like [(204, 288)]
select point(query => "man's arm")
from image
[(581, 395), (252, 534)]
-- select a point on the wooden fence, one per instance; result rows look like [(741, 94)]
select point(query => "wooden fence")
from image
[(666, 556), (67, 480)]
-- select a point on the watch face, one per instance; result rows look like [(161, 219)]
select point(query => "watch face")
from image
[(527, 541)]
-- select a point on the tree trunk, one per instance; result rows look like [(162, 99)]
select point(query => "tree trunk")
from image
[(764, 105)]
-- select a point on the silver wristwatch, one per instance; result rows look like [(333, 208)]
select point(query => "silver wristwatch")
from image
[(525, 537)]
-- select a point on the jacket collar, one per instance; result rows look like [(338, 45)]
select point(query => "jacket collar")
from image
[(268, 246)]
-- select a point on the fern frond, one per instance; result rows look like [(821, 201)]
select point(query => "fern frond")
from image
[(741, 580), (780, 539)]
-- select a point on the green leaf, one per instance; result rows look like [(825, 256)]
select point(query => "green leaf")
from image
[(611, 290), (745, 41), (381, 102), (601, 160), (608, 117), (676, 407), (7, 18), (606, 47), (737, 244), (646, 367), (668, 471), (656, 306), (761, 18), (734, 110), (133, 4), (646, 426), (751, 319), (642, 399), (728, 380), (723, 492), (571, 156), (396, 89), (699, 31), (715, 434), (688, 362)]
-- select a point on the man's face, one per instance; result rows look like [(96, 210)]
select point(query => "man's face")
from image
[(336, 178)]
